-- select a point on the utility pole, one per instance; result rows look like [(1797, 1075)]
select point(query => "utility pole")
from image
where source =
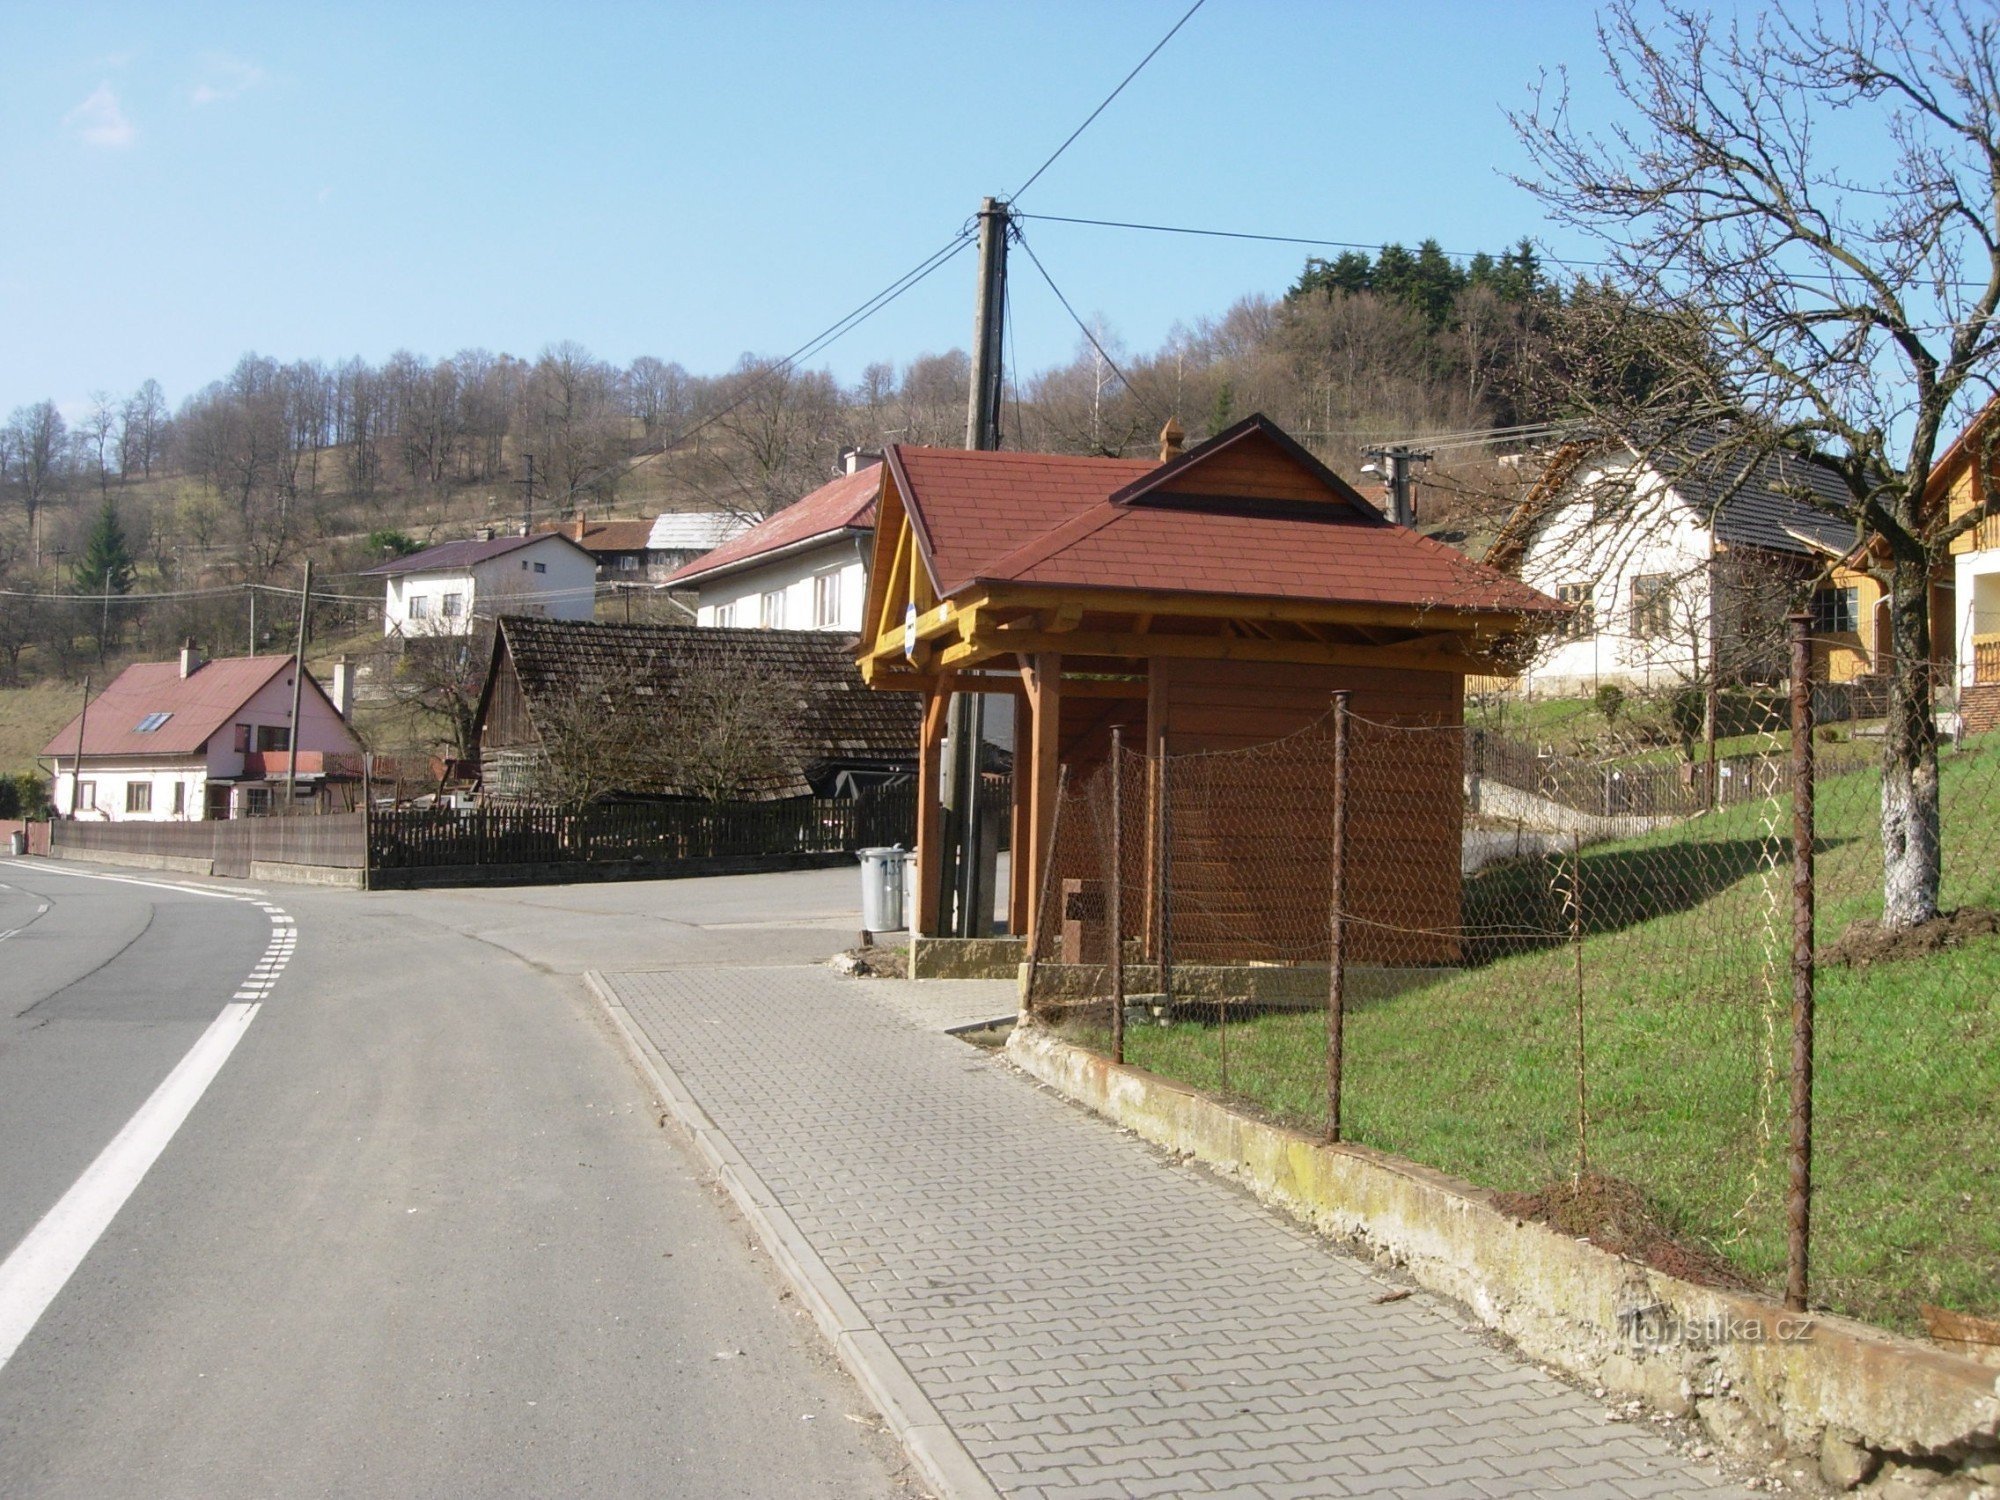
[(970, 910), (253, 619), (298, 682), (104, 619), (528, 498), (1395, 461)]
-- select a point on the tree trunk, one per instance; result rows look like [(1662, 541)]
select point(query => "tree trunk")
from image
[(1910, 845)]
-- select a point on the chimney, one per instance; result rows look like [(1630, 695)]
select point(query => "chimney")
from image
[(1172, 436), (341, 688), (190, 658), (486, 533), (854, 460), (580, 523)]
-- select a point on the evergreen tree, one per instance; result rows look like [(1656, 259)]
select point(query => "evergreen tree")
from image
[(106, 563)]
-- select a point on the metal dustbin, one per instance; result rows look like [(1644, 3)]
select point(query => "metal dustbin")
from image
[(17, 843), (882, 888)]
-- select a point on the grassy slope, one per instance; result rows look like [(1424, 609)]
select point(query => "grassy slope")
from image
[(1685, 1035)]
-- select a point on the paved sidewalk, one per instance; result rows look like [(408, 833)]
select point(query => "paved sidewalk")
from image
[(1089, 1318)]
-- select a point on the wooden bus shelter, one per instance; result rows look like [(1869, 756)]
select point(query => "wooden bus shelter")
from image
[(1215, 599)]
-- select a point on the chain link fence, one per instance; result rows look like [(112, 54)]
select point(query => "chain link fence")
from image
[(1386, 934)]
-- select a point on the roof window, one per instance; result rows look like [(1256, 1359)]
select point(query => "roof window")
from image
[(151, 722)]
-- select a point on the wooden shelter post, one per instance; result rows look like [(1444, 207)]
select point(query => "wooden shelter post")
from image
[(1043, 674), (930, 810)]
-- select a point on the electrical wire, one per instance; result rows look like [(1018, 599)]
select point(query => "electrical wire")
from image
[(828, 335), (1102, 353), (1071, 139)]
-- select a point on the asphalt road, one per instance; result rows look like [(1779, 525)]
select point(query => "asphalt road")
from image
[(422, 1233)]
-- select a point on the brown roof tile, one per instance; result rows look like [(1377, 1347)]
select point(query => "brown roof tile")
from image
[(839, 722)]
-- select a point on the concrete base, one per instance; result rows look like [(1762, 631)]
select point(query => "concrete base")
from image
[(1202, 988), (179, 864), (1761, 1380), (291, 874), (967, 958)]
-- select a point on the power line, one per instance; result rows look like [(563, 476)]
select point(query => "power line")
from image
[(1088, 334), (1070, 140), (1542, 256), (833, 331)]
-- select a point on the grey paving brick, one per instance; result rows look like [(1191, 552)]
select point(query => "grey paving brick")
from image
[(1090, 1318)]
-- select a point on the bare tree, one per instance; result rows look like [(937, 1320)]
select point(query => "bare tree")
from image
[(97, 435), (1848, 319), (37, 439), (142, 430)]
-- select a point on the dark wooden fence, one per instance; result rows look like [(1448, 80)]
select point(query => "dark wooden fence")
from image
[(649, 833)]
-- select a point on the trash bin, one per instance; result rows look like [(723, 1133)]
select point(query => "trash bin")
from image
[(882, 888), (17, 843)]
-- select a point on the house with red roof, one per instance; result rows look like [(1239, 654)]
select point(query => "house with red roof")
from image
[(1213, 600), (177, 741), (805, 568), (442, 589)]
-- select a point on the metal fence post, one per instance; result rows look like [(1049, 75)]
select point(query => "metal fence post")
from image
[(1115, 895), (1798, 1206), (1336, 983)]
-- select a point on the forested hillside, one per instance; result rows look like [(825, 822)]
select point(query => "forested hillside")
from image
[(139, 521)]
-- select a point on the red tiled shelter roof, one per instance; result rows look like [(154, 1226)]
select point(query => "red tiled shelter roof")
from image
[(1209, 522), (845, 504)]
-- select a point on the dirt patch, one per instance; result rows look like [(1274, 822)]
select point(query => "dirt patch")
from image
[(1614, 1215), (1868, 942), (873, 963)]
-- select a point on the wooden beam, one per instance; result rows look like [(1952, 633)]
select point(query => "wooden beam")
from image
[(930, 810), (1044, 676), (1441, 616), (987, 645), (1018, 862), (1064, 618)]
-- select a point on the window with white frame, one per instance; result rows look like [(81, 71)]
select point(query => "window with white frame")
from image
[(1582, 622), (420, 606), (771, 609), (180, 799), (86, 794), (725, 615), (826, 600), (1652, 605), (452, 606)]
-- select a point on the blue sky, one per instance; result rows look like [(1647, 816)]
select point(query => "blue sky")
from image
[(185, 183)]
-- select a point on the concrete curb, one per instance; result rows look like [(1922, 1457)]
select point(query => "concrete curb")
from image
[(933, 1447)]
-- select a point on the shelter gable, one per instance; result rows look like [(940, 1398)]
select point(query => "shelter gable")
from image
[(1250, 467)]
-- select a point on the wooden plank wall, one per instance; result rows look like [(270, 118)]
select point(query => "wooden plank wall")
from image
[(1250, 834)]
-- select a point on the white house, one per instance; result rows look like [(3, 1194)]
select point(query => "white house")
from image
[(806, 568), (174, 741), (439, 590), (1673, 563)]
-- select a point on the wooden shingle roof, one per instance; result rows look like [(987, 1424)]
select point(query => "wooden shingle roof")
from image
[(834, 720)]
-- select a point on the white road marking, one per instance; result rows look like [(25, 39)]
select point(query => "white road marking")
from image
[(42, 1264)]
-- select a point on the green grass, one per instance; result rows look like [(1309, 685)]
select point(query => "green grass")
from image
[(1686, 1042), (29, 716)]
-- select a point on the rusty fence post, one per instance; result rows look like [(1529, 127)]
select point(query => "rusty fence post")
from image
[(1798, 1204), (1163, 881), (1336, 981), (1582, 1057), (1115, 895)]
